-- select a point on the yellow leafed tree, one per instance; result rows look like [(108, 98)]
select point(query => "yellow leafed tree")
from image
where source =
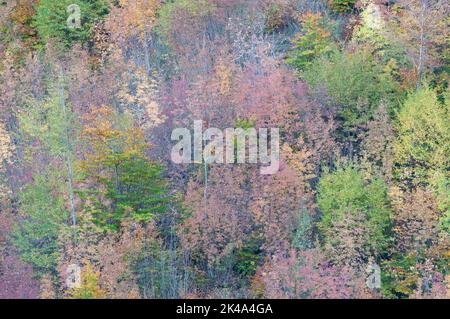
[(89, 287)]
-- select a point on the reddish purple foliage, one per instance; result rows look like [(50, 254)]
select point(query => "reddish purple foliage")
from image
[(16, 280), (309, 276)]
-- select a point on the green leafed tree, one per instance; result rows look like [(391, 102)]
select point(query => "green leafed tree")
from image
[(355, 83), (54, 125), (354, 211), (373, 35), (56, 20), (422, 148), (140, 190), (342, 6), (43, 216), (127, 184), (313, 41)]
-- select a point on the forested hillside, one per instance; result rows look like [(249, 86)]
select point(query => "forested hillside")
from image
[(92, 204)]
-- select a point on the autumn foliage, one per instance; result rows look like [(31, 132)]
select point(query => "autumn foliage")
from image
[(357, 89)]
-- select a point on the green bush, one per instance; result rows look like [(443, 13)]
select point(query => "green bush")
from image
[(141, 195), (422, 148), (345, 192), (51, 17), (399, 276), (248, 258), (313, 41), (355, 84), (342, 6), (44, 216)]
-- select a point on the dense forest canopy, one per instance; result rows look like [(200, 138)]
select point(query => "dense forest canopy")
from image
[(92, 205)]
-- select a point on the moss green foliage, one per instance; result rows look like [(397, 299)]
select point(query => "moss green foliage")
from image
[(51, 17), (136, 192), (342, 6), (356, 84), (141, 190), (372, 35), (44, 216), (422, 150), (52, 122), (303, 235), (313, 41), (344, 192), (248, 258), (153, 267), (399, 276), (357, 88), (195, 9)]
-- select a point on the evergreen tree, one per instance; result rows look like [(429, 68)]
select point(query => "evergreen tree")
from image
[(51, 20)]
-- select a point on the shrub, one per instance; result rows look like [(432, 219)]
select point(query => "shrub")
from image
[(51, 20), (342, 6), (344, 196), (355, 84), (313, 41)]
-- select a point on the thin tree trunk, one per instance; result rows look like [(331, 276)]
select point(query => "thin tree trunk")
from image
[(68, 153), (146, 52), (421, 45), (71, 193), (205, 192)]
